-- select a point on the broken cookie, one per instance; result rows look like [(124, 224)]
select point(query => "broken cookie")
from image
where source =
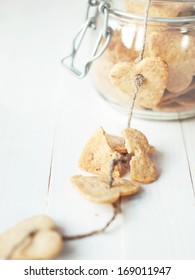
[(34, 238), (129, 151), (142, 168), (97, 189), (99, 151)]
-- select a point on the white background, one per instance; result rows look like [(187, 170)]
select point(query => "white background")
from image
[(46, 117)]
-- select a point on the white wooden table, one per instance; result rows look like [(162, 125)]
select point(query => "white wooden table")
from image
[(46, 117)]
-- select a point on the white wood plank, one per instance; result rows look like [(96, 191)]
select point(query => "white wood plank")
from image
[(160, 224), (29, 98), (188, 132), (25, 151)]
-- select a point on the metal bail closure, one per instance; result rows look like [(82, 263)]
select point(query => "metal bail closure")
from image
[(105, 34)]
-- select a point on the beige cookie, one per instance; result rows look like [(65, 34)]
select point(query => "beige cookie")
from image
[(156, 10), (45, 244), (116, 143), (135, 141), (193, 65), (12, 239), (155, 73), (142, 168), (98, 153), (178, 50), (180, 76), (170, 44), (97, 189)]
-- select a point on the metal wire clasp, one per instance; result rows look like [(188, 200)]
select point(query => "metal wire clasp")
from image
[(104, 37)]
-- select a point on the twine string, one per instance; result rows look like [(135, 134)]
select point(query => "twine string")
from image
[(116, 211), (145, 22), (139, 79), (138, 82)]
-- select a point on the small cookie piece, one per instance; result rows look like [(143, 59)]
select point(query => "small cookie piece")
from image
[(97, 189), (98, 153), (155, 73), (135, 141), (22, 236), (142, 168), (116, 143)]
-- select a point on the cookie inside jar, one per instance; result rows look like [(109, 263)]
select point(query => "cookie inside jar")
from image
[(170, 36)]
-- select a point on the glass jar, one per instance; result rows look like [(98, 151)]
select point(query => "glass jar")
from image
[(170, 36), (117, 33)]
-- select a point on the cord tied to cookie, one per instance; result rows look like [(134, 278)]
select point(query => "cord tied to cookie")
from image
[(139, 81)]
